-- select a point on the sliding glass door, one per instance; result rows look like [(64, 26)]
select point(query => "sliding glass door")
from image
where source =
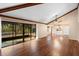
[(13, 33), (33, 31), (7, 33), (18, 33), (27, 32)]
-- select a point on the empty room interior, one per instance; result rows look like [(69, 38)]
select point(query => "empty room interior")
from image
[(39, 29)]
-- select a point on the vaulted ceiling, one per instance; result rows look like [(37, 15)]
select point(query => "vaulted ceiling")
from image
[(40, 13)]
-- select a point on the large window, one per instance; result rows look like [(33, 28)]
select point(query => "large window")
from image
[(33, 31), (19, 29), (7, 33), (13, 33), (7, 29), (26, 30)]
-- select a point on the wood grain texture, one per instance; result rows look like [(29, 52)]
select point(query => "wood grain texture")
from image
[(47, 46)]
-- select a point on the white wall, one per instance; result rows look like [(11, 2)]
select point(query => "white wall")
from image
[(64, 30), (71, 20), (78, 25), (41, 30)]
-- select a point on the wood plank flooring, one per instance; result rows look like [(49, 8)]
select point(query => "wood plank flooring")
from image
[(47, 46), (0, 52)]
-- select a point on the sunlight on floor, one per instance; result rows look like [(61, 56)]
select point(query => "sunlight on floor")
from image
[(33, 45), (61, 38), (56, 43)]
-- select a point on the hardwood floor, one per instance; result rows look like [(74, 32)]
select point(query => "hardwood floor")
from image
[(0, 52), (47, 46)]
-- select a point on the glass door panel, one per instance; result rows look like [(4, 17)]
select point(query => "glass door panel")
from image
[(7, 33), (18, 33), (26, 32), (33, 31)]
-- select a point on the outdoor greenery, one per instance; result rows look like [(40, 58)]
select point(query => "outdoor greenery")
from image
[(6, 27), (10, 30)]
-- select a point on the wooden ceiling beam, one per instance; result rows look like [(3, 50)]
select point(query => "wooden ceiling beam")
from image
[(20, 19), (18, 7)]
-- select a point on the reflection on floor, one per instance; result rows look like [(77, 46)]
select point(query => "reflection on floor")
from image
[(47, 46)]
